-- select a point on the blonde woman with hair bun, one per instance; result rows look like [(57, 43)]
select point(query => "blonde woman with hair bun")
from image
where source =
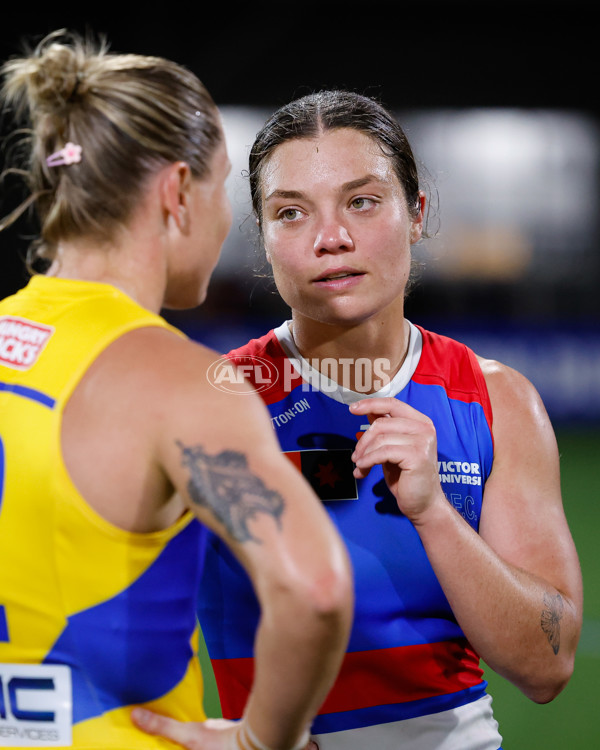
[(117, 456)]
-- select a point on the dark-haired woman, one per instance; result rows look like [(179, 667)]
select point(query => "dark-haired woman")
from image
[(439, 468)]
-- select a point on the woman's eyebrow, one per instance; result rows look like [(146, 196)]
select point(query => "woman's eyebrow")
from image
[(345, 188), (288, 194), (358, 183)]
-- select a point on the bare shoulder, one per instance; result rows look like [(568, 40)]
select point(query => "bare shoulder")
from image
[(174, 379), (526, 457), (159, 350), (499, 375), (162, 359), (513, 396), (145, 395), (525, 473)]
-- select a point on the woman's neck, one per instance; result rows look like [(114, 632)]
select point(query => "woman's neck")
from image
[(111, 265), (372, 346)]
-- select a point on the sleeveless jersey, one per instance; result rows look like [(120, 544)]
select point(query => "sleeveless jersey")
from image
[(409, 676), (93, 618)]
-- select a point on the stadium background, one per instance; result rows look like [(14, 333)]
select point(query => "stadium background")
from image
[(499, 102)]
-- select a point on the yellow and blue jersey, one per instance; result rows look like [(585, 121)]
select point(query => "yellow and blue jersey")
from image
[(93, 619)]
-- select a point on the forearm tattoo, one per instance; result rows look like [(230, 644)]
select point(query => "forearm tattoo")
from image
[(551, 617), (225, 485)]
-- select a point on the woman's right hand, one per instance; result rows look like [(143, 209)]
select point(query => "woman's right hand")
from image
[(212, 734)]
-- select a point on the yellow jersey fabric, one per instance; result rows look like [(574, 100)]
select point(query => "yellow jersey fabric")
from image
[(93, 619)]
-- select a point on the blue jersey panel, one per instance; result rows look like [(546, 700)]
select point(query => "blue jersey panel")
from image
[(107, 645)]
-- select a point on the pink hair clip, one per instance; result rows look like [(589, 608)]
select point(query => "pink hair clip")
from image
[(70, 154)]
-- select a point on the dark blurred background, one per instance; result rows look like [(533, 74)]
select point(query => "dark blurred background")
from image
[(500, 104), (499, 99)]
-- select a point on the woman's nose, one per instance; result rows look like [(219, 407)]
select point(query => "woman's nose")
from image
[(333, 237)]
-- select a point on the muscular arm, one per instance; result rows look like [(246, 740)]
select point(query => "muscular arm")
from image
[(521, 603), (164, 439), (523, 523), (220, 451)]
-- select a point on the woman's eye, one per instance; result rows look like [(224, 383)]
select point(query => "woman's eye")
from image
[(361, 202), (289, 214)]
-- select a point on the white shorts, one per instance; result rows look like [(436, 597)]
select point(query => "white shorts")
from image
[(468, 727)]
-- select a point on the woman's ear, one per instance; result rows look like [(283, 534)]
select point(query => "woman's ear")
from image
[(175, 194), (416, 229)]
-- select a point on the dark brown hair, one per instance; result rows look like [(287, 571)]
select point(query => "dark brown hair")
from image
[(329, 110)]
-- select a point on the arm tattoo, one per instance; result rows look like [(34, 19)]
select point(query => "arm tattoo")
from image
[(551, 617), (225, 485)]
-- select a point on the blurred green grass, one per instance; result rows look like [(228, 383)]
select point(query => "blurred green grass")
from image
[(572, 720)]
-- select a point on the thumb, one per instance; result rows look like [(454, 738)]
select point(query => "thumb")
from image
[(183, 733)]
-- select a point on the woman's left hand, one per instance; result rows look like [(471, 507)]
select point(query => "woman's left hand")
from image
[(404, 442)]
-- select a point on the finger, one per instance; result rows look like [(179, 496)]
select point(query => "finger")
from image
[(219, 723), (359, 472), (372, 455), (382, 455), (386, 432), (381, 407), (393, 431), (185, 734), (392, 428)]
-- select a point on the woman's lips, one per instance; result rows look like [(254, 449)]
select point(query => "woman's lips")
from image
[(339, 278)]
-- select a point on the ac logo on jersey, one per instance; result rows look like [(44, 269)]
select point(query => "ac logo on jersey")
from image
[(21, 341), (36, 705)]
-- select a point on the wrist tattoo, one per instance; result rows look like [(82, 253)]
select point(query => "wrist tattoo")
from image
[(551, 617), (225, 485)]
